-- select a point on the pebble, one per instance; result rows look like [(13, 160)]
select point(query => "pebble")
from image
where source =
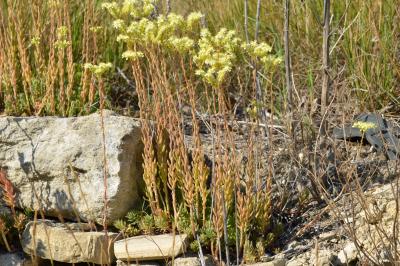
[(348, 254)]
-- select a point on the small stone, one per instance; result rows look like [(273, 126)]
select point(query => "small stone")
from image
[(276, 262), (54, 241), (386, 257), (327, 236), (348, 254), (325, 258), (147, 263), (348, 220), (193, 261), (148, 247), (279, 256), (298, 261), (15, 259), (266, 258), (334, 241), (293, 245)]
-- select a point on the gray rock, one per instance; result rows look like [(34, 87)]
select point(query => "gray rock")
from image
[(58, 242), (15, 259), (267, 258), (293, 245), (193, 261), (348, 254), (149, 247), (276, 262), (4, 210), (386, 257), (325, 258), (147, 263), (57, 164), (298, 261), (326, 236)]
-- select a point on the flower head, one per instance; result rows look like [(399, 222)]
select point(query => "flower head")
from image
[(118, 24), (364, 126), (193, 19), (122, 38), (132, 55), (95, 29), (181, 45), (99, 69), (62, 32), (216, 55), (35, 41), (61, 44), (112, 8)]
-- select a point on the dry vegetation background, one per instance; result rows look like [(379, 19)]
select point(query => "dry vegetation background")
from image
[(364, 50), (46, 44)]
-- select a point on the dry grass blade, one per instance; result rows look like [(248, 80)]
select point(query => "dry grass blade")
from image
[(8, 190)]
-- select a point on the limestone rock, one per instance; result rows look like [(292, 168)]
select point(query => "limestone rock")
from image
[(193, 261), (370, 220), (297, 261), (58, 242), (323, 258), (148, 247), (348, 254), (326, 236), (276, 262), (147, 263), (57, 164)]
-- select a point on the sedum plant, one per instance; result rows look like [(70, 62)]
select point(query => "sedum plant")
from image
[(139, 222), (175, 60), (215, 55)]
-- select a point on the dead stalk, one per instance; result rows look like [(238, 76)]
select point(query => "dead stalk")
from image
[(325, 66), (288, 73)]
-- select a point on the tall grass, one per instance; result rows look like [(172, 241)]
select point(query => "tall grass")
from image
[(44, 47)]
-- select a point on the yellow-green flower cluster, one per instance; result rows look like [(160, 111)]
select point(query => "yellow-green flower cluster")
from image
[(193, 20), (257, 49), (112, 8), (261, 52), (123, 38), (35, 41), (181, 45), (62, 32), (54, 3), (61, 42), (96, 29), (169, 30), (364, 126), (132, 55), (119, 24), (138, 8), (99, 69), (216, 55), (133, 22), (134, 8)]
